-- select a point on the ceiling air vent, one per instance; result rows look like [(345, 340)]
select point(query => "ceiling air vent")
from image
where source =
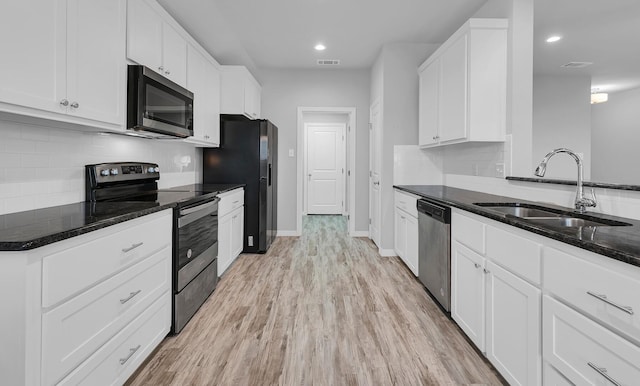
[(576, 64), (328, 62)]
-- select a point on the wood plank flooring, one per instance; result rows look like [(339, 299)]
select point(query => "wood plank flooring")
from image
[(321, 309)]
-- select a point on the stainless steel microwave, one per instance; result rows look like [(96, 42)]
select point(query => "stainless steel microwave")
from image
[(156, 106)]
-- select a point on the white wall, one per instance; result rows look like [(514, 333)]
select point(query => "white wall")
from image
[(283, 91), (394, 84), (615, 138), (562, 118), (42, 166)]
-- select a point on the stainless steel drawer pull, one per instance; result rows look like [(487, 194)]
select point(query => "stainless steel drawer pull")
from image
[(131, 352), (486, 270), (132, 247), (627, 309), (476, 265), (603, 371), (131, 295), (236, 201)]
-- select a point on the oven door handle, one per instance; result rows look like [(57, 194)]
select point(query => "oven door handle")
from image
[(189, 215)]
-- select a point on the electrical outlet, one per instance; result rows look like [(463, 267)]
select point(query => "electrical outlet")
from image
[(291, 153), (500, 169)]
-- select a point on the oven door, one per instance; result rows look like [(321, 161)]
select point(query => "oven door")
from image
[(157, 105), (197, 241)]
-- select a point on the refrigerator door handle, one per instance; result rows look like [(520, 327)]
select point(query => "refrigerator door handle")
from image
[(269, 183)]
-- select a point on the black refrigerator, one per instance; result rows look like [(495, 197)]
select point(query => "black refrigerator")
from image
[(248, 154)]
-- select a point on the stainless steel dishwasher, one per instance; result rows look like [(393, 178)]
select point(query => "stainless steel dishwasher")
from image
[(434, 251)]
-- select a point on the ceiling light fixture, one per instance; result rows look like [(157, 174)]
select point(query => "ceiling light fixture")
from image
[(320, 47), (599, 97), (553, 39)]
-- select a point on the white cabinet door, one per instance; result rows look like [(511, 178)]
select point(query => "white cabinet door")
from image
[(237, 232), (513, 326), (174, 55), (467, 292), (240, 92), (428, 109), (452, 115), (96, 67), (400, 234), (412, 244), (33, 43), (251, 98), (224, 243), (211, 131), (144, 35)]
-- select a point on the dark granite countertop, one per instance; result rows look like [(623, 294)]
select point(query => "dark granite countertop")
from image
[(590, 184), (36, 228), (618, 242)]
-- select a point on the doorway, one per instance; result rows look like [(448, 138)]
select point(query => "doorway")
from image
[(375, 172), (331, 186), (324, 164)]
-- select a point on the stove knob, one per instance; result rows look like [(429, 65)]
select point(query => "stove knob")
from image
[(104, 172), (150, 170), (189, 253), (114, 172), (156, 169)]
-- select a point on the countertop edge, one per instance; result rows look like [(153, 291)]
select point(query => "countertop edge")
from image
[(18, 246), (613, 253)]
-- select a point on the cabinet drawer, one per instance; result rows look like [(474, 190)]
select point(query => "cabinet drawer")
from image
[(406, 202), (77, 328), (586, 352), (518, 254), (114, 362), (230, 201), (585, 285), (468, 231), (95, 256)]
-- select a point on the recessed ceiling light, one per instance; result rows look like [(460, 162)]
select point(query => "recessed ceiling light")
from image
[(320, 47), (553, 39)]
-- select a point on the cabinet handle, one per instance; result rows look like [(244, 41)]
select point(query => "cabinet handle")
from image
[(132, 247), (75, 105), (64, 102), (161, 68), (131, 296), (476, 265), (131, 352), (167, 72), (603, 371), (236, 201), (627, 309), (486, 270), (206, 137)]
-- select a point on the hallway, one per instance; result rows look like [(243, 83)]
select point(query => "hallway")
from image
[(321, 309)]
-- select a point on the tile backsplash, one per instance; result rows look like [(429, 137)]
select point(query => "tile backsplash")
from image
[(474, 159), (42, 166)]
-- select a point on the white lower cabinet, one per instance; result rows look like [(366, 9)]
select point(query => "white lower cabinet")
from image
[(553, 378), (513, 326), (498, 309), (230, 228), (585, 352), (467, 292), (89, 309), (406, 229)]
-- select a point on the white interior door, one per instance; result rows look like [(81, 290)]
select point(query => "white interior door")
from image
[(325, 168), (374, 174)]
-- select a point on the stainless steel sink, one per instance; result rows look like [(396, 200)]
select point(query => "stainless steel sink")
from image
[(547, 216)]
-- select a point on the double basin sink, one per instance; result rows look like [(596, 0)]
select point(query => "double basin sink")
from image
[(549, 217)]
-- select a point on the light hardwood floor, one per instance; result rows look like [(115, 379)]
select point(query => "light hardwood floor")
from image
[(321, 309)]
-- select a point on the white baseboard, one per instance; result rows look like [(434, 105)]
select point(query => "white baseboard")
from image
[(387, 252), (359, 234), (287, 233)]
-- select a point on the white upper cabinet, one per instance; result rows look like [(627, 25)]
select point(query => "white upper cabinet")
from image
[(463, 86), (203, 79), (240, 92), (153, 42), (69, 60)]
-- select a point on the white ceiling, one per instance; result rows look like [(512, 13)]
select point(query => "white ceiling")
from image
[(606, 33), (282, 33)]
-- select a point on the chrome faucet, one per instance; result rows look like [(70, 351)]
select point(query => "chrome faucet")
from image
[(581, 202)]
